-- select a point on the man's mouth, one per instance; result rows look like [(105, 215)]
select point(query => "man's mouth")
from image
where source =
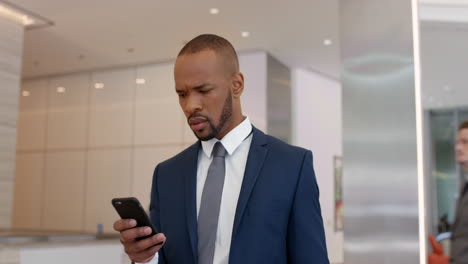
[(197, 123)]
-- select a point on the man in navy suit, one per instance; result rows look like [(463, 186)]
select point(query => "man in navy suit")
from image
[(237, 195)]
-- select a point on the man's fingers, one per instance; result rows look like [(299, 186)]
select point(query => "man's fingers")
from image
[(124, 224), (152, 251), (139, 251), (133, 233), (139, 247)]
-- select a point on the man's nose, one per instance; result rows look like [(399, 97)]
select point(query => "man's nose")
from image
[(193, 105)]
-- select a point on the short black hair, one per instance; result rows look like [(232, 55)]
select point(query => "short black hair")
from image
[(463, 125), (219, 45)]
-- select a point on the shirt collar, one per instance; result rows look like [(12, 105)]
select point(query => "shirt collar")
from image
[(231, 140)]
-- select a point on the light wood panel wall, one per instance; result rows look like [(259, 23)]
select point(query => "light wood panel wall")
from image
[(79, 148)]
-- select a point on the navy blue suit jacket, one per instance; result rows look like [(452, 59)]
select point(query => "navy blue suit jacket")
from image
[(277, 220)]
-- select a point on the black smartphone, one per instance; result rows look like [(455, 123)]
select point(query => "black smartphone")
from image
[(130, 208)]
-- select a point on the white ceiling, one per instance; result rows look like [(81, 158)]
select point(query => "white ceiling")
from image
[(91, 34), (444, 60), (444, 64)]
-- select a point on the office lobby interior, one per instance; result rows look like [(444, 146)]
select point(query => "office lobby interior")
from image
[(375, 89)]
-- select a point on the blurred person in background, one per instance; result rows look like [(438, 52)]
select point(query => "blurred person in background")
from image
[(459, 235), (459, 239)]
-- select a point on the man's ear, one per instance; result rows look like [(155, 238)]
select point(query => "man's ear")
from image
[(237, 84)]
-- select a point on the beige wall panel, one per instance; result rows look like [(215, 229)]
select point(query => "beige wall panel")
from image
[(109, 176), (188, 137), (111, 117), (158, 122), (145, 161), (68, 112), (32, 116), (28, 190), (159, 81), (64, 191), (157, 118)]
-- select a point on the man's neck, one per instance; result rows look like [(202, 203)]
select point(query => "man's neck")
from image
[(234, 124)]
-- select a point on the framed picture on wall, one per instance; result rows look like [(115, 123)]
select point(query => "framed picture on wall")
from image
[(338, 175)]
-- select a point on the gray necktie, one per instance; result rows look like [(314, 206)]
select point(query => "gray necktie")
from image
[(210, 205)]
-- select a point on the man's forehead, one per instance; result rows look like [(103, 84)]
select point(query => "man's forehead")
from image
[(203, 54), (463, 132)]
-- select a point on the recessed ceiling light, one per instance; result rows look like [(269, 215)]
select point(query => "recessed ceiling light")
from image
[(214, 11), (98, 85), (60, 89), (327, 42), (27, 20), (25, 93), (245, 34), (140, 81)]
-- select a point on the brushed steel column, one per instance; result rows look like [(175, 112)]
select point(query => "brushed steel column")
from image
[(379, 133)]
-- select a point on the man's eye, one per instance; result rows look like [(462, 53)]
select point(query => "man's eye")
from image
[(204, 91), (181, 95)]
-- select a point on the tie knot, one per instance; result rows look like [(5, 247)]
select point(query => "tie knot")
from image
[(219, 150)]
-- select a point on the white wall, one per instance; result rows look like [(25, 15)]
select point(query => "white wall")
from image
[(444, 61), (78, 149), (11, 49), (317, 126), (254, 98)]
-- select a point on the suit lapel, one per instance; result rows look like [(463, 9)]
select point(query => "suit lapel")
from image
[(459, 205), (256, 157), (189, 171)]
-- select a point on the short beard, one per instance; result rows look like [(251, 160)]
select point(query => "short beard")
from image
[(223, 119)]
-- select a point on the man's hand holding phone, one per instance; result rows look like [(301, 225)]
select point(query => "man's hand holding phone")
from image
[(138, 235), (138, 250)]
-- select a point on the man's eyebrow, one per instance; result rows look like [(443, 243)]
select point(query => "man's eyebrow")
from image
[(200, 86)]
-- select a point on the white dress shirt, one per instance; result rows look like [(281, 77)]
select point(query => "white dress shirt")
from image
[(237, 144)]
